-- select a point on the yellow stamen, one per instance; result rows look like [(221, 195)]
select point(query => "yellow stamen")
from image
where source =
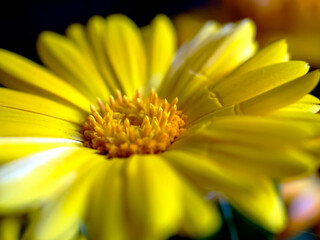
[(133, 126)]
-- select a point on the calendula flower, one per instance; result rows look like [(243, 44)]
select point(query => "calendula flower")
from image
[(295, 20), (119, 140)]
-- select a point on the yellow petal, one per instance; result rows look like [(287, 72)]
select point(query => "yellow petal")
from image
[(208, 104), (155, 198), (201, 104), (274, 163), (16, 147), (216, 57), (195, 205), (281, 96), (233, 90), (240, 187), (187, 26), (28, 181), (67, 61), (108, 218), (203, 172), (125, 50), (22, 74), (232, 51), (32, 103), (273, 53), (309, 121), (261, 204), (302, 44), (17, 123), (161, 43), (183, 54), (76, 33), (61, 218), (22, 182), (308, 103), (10, 228), (266, 146), (95, 32)]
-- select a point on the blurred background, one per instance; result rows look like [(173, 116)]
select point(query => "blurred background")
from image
[(22, 21)]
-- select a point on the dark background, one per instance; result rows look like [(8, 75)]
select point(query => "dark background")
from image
[(22, 21)]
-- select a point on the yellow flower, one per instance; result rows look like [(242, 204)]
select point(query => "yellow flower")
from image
[(80, 146)]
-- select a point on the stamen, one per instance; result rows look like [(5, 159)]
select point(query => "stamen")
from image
[(127, 126)]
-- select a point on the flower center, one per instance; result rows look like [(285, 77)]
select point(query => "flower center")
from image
[(133, 126)]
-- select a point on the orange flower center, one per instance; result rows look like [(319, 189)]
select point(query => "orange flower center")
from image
[(133, 126)]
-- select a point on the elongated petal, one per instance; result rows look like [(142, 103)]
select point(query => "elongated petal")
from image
[(237, 186), (16, 147), (307, 103), (18, 123), (30, 180), (282, 96), (67, 61), (203, 172), (22, 74), (291, 96), (189, 48), (217, 56), (108, 217), (161, 42), (273, 53), (234, 90), (154, 193), (260, 145), (309, 121), (95, 32), (271, 162), (195, 205), (77, 34), (32, 103), (232, 51), (125, 50), (61, 219), (262, 204)]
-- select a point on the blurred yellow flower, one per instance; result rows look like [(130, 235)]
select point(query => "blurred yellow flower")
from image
[(298, 21), (87, 141)]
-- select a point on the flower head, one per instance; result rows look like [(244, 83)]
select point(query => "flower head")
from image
[(125, 127), (125, 136)]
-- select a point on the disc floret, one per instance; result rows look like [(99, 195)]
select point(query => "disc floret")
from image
[(139, 125)]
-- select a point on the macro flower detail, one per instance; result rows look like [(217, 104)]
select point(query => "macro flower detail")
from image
[(121, 135), (125, 127)]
